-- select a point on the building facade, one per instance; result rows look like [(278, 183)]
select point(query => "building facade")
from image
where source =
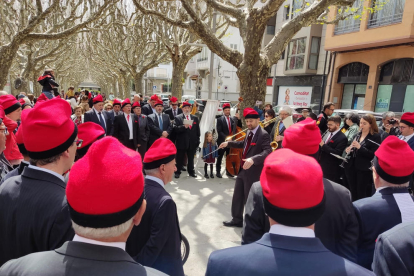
[(158, 80), (373, 58)]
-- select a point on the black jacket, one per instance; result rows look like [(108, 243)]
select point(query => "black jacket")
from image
[(121, 130), (187, 138), (156, 241), (144, 130), (322, 122), (48, 82), (329, 163), (17, 171), (147, 110), (78, 259), (155, 131), (169, 112), (91, 116), (337, 228), (34, 214), (222, 128), (364, 155), (375, 214)]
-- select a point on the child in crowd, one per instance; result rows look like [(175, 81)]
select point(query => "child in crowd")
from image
[(209, 153)]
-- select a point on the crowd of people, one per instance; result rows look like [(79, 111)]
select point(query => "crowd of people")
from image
[(82, 192)]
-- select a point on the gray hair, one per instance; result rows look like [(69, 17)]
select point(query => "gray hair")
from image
[(152, 172), (388, 114), (102, 233), (3, 93), (287, 109)]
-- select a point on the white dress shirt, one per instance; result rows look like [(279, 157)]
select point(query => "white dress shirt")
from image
[(156, 179), (48, 171), (97, 115), (120, 245), (407, 138), (330, 135), (131, 134), (284, 230)]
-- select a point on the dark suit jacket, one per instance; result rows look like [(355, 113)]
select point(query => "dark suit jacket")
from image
[(121, 129), (34, 214), (222, 128), (411, 143), (187, 138), (147, 110), (169, 112), (376, 214), (281, 255), (394, 251), (258, 152), (77, 259), (155, 131), (329, 163), (156, 241), (144, 130), (337, 228), (91, 116), (17, 171), (365, 154), (112, 114)]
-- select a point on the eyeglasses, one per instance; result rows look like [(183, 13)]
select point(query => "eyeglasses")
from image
[(266, 116), (332, 109), (79, 143), (403, 127)]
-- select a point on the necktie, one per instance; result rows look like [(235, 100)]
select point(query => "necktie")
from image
[(246, 148), (128, 118), (329, 138), (160, 121), (101, 121), (175, 112), (228, 121), (190, 125)]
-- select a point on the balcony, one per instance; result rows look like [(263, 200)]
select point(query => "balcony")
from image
[(202, 59), (347, 28), (390, 13)]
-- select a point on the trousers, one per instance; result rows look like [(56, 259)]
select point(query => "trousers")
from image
[(190, 162), (241, 192), (220, 153)]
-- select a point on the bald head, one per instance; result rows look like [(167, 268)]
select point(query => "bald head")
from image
[(2, 93)]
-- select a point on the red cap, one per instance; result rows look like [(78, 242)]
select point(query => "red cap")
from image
[(250, 113), (42, 98), (19, 134), (22, 101), (89, 132), (51, 119), (2, 114), (136, 104), (173, 99), (9, 103), (125, 102), (159, 102), (105, 192), (303, 137), (116, 102), (226, 105), (292, 197), (186, 104), (154, 97), (387, 160), (97, 99), (408, 119), (161, 152)]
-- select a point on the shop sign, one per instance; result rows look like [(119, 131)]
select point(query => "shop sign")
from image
[(295, 95), (382, 103)]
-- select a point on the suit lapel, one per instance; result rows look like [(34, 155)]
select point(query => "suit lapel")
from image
[(254, 140), (95, 117)]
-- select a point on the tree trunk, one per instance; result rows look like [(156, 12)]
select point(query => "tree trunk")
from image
[(138, 83), (120, 92), (177, 76), (7, 54)]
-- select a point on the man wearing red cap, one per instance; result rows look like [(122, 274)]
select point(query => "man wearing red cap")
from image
[(98, 116), (392, 203), (101, 215), (5, 166), (156, 242), (338, 226), (144, 130), (293, 206), (116, 107), (187, 128), (173, 111), (33, 209), (407, 128), (149, 109), (256, 147), (13, 110), (126, 128), (226, 125), (89, 133), (159, 124)]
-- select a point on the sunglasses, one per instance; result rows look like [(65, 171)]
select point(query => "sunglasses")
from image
[(174, 104), (79, 143)]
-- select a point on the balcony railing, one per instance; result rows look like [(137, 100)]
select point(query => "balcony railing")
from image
[(391, 13), (202, 59), (344, 29)]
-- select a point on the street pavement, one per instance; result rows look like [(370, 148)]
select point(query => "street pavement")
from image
[(203, 205)]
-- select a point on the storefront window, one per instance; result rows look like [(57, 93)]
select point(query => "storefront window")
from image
[(354, 96), (383, 98), (409, 99)]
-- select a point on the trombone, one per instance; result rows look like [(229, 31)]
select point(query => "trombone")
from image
[(261, 123)]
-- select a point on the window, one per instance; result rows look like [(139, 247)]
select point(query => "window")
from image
[(352, 23), (296, 7), (314, 54), (286, 12), (270, 30), (387, 13), (203, 55), (355, 72), (354, 96), (283, 55), (233, 46), (296, 54)]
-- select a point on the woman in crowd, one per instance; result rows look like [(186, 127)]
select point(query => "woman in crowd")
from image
[(85, 103), (108, 107), (78, 118), (269, 115), (361, 152), (352, 121)]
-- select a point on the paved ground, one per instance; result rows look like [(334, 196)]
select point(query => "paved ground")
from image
[(203, 204)]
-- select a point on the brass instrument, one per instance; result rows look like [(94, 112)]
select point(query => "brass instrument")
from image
[(244, 130), (274, 144)]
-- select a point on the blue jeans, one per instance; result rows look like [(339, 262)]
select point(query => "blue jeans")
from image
[(48, 94)]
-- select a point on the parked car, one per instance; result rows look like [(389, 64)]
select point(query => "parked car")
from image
[(188, 97)]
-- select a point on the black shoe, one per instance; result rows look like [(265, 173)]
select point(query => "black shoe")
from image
[(232, 223), (229, 175), (219, 175), (177, 175), (206, 176), (192, 174), (184, 169), (211, 175)]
